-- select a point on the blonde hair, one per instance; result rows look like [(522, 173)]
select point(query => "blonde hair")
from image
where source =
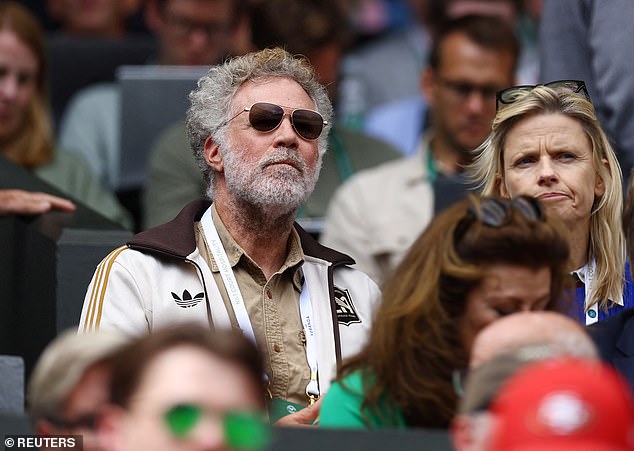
[(32, 145), (607, 244)]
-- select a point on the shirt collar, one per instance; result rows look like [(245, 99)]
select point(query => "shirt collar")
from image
[(581, 274), (294, 256)]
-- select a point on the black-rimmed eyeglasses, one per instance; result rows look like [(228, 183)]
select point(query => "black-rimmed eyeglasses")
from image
[(510, 95)]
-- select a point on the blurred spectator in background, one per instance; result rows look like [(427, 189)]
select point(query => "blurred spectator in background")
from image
[(589, 40), (499, 351), (93, 19), (386, 72), (563, 405), (188, 32), (70, 385), (472, 58), (26, 135), (316, 29), (186, 387), (531, 328), (479, 260), (471, 425)]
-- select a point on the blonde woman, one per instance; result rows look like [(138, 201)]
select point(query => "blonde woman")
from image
[(546, 142), (26, 135)]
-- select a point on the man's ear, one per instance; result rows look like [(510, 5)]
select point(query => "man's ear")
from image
[(213, 157)]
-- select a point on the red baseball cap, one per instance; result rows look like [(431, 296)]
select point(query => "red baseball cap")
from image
[(564, 404)]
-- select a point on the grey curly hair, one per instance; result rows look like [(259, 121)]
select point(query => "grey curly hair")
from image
[(211, 100)]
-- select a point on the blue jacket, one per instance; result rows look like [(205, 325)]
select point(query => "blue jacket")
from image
[(628, 300), (614, 338)]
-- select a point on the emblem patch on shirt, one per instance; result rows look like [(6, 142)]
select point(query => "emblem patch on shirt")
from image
[(346, 313), (187, 301)]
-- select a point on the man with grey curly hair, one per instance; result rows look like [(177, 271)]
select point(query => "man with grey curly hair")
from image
[(258, 125)]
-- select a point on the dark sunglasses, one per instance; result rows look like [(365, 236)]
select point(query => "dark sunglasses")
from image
[(243, 430), (510, 95), (497, 212), (266, 117)]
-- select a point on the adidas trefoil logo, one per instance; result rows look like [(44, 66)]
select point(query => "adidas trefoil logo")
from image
[(187, 300)]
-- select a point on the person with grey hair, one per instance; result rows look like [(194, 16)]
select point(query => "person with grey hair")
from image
[(258, 125), (69, 384)]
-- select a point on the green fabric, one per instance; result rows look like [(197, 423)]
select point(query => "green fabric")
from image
[(71, 176), (174, 178), (363, 153), (341, 408)]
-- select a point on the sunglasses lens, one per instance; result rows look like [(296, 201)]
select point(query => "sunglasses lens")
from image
[(246, 431), (494, 213), (570, 85), (181, 419), (265, 117), (529, 207), (510, 95), (308, 124)]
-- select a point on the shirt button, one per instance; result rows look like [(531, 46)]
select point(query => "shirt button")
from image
[(268, 294), (276, 348)]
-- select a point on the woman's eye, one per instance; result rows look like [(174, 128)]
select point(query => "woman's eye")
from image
[(503, 311), (567, 156), (523, 161)]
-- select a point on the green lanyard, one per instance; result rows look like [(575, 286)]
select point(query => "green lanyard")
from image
[(344, 166), (342, 160), (432, 172)]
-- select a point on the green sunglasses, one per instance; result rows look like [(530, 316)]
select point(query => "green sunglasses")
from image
[(243, 430)]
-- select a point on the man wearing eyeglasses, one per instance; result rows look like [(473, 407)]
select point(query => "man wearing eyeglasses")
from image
[(378, 213), (259, 126), (187, 33)]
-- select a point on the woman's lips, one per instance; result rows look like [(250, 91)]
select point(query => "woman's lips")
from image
[(552, 196)]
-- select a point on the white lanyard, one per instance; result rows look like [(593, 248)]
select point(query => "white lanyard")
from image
[(239, 308), (229, 279), (306, 310)]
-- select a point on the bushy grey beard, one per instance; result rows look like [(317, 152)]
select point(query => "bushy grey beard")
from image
[(264, 184)]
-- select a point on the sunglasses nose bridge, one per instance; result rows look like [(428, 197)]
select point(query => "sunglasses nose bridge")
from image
[(287, 121)]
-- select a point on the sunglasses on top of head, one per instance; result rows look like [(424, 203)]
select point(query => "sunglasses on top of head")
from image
[(510, 95), (266, 117)]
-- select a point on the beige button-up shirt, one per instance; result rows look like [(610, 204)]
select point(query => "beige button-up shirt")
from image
[(273, 308)]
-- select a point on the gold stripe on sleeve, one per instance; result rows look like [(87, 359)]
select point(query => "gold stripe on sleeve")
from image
[(99, 289)]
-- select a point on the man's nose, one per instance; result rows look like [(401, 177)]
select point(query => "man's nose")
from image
[(285, 134), (477, 101)]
